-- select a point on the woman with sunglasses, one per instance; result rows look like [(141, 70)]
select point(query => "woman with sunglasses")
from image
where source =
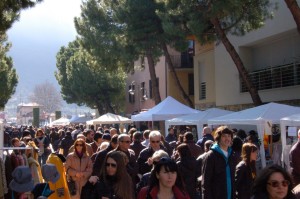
[(165, 182), (114, 182), (79, 166), (273, 182), (245, 171)]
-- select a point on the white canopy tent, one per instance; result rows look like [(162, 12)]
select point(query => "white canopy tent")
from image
[(60, 122), (198, 119), (167, 109), (258, 116), (290, 121), (77, 119), (110, 118)]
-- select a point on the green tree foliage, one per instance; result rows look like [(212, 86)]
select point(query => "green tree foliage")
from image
[(213, 20), (8, 75), (103, 37), (10, 11), (84, 81), (143, 28)]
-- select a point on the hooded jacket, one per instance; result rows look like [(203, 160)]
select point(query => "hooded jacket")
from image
[(218, 174)]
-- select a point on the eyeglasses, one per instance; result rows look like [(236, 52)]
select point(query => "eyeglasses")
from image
[(113, 165), (276, 184), (128, 142), (158, 141), (79, 145)]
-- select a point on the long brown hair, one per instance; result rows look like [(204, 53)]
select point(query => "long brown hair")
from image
[(247, 149), (123, 187)]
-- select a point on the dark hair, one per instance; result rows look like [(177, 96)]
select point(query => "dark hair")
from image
[(184, 151), (242, 134), (247, 149), (222, 130), (123, 185), (146, 134), (260, 183), (237, 144), (137, 136), (114, 139), (97, 136), (170, 166), (189, 136)]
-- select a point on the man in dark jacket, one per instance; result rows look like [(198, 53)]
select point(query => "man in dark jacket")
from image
[(136, 145), (171, 135), (295, 161), (66, 143), (144, 160), (206, 135), (124, 141), (100, 157), (218, 167), (196, 150)]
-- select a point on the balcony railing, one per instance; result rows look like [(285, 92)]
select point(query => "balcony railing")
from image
[(184, 60), (274, 77)]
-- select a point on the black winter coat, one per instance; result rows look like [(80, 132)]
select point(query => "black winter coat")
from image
[(187, 169), (143, 157), (65, 144), (243, 181), (214, 178)]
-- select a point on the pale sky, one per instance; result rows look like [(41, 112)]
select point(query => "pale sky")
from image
[(37, 37)]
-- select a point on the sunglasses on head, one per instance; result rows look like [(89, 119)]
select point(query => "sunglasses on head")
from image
[(157, 141), (79, 145), (113, 165), (276, 184)]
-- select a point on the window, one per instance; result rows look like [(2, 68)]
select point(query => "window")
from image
[(202, 91), (130, 96)]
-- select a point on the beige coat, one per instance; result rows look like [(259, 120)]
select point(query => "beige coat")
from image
[(35, 170), (75, 165)]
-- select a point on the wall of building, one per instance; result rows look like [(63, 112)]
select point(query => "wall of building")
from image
[(142, 75), (274, 44)]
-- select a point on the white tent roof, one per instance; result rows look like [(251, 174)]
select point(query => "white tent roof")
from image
[(109, 118), (198, 119), (60, 122), (167, 109), (77, 119), (257, 116), (269, 112), (293, 120)]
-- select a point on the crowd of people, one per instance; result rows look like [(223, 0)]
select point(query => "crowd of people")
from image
[(106, 164)]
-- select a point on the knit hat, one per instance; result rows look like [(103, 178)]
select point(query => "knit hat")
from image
[(22, 179), (50, 173)]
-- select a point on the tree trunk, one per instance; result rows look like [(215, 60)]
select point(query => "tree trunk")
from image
[(174, 74), (238, 62), (152, 72), (295, 10)]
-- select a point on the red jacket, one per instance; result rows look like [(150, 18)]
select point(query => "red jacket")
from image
[(178, 194)]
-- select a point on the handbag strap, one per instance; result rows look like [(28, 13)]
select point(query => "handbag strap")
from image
[(44, 189)]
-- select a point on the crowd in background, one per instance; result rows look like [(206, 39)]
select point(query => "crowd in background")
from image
[(105, 163)]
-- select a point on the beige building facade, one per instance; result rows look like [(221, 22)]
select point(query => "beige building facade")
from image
[(271, 55)]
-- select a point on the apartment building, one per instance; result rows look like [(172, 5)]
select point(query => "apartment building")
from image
[(271, 55)]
